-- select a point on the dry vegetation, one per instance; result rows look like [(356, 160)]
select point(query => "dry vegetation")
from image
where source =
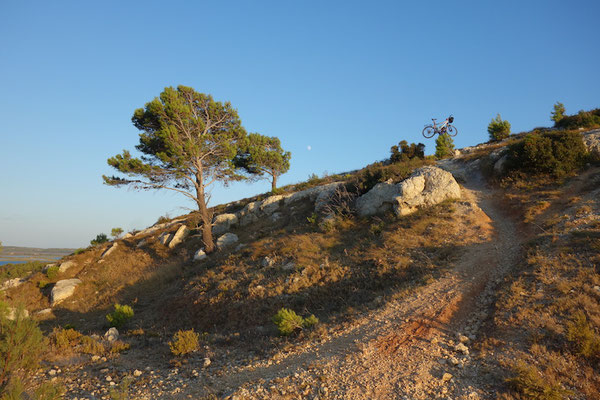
[(548, 317)]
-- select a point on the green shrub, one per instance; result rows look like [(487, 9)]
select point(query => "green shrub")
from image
[(378, 172), (89, 345), (21, 345), (583, 119), (100, 238), (498, 128), (119, 346), (116, 232), (288, 321), (120, 315), (52, 272), (556, 153), (79, 251), (444, 146), (11, 271), (533, 385), (184, 342), (582, 335), (63, 339)]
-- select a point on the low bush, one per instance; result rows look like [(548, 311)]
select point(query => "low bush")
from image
[(583, 119), (11, 271), (52, 272), (184, 342), (100, 238), (21, 345), (405, 151), (532, 384), (64, 339), (120, 315), (89, 345), (556, 153), (582, 335), (119, 346), (288, 321)]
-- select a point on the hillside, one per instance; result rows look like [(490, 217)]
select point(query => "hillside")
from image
[(422, 289)]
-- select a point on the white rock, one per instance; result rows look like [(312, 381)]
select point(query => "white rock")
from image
[(108, 378), (111, 335), (52, 372), (462, 348), (12, 283), (63, 290), (137, 373), (591, 140), (66, 265), (165, 238), (127, 235), (267, 262), (377, 200), (249, 213), (199, 255), (324, 195), (500, 165), (95, 358), (142, 243), (110, 250), (179, 236), (206, 362), (222, 223), (271, 204), (446, 377), (12, 313), (227, 240)]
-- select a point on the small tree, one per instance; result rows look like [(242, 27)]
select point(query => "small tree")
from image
[(116, 232), (405, 152), (444, 146), (188, 142), (498, 128), (262, 155), (558, 113), (100, 238)]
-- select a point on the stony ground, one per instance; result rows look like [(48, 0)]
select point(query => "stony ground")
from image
[(421, 346)]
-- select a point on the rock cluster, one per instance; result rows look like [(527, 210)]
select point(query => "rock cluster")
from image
[(62, 290), (426, 186)]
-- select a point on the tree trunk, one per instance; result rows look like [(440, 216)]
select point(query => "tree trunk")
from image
[(274, 183), (206, 216)]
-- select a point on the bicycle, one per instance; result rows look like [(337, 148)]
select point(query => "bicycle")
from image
[(430, 130)]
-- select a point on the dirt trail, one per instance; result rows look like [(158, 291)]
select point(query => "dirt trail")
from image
[(410, 348)]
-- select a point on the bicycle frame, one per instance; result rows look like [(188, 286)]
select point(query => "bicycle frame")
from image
[(442, 126)]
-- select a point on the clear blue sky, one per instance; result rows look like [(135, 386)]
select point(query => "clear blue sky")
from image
[(347, 78)]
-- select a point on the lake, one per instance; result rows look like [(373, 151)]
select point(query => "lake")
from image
[(12, 262)]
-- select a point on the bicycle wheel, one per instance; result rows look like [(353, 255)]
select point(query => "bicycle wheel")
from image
[(452, 131), (428, 131)]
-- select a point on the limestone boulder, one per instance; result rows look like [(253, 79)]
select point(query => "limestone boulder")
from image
[(377, 200), (223, 223), (179, 236), (227, 240), (62, 290), (110, 250), (271, 204), (249, 214), (165, 238), (426, 186), (66, 265), (12, 283), (199, 255), (591, 140), (325, 194)]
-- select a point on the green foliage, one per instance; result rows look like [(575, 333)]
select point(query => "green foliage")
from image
[(100, 238), (533, 385), (184, 342), (288, 321), (120, 315), (405, 152), (63, 339), (312, 219), (188, 141), (582, 335), (378, 172), (122, 391), (262, 155), (498, 128), (583, 119), (21, 345), (556, 153), (444, 146), (79, 251), (11, 271), (116, 232), (89, 345), (558, 113), (52, 272)]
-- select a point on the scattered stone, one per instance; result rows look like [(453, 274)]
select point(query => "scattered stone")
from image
[(206, 362), (108, 378), (200, 255), (454, 361), (227, 240), (591, 140), (142, 243), (95, 358), (267, 262), (597, 288), (111, 335), (249, 213), (461, 348), (289, 266), (43, 312), (179, 236), (462, 338), (66, 265), (62, 290), (52, 372), (446, 377), (137, 373)]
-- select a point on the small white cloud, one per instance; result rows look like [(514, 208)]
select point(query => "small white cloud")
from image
[(309, 147)]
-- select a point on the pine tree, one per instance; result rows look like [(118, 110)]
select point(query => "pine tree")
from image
[(444, 146), (558, 113)]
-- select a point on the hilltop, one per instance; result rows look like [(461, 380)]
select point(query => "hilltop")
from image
[(423, 288)]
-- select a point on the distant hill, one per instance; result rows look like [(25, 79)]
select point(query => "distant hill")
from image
[(17, 253)]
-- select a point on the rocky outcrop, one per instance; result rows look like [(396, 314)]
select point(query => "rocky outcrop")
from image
[(227, 240), (199, 255), (591, 140), (12, 283), (62, 290), (165, 238), (271, 204), (222, 223), (426, 186), (179, 236), (249, 213), (109, 251)]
